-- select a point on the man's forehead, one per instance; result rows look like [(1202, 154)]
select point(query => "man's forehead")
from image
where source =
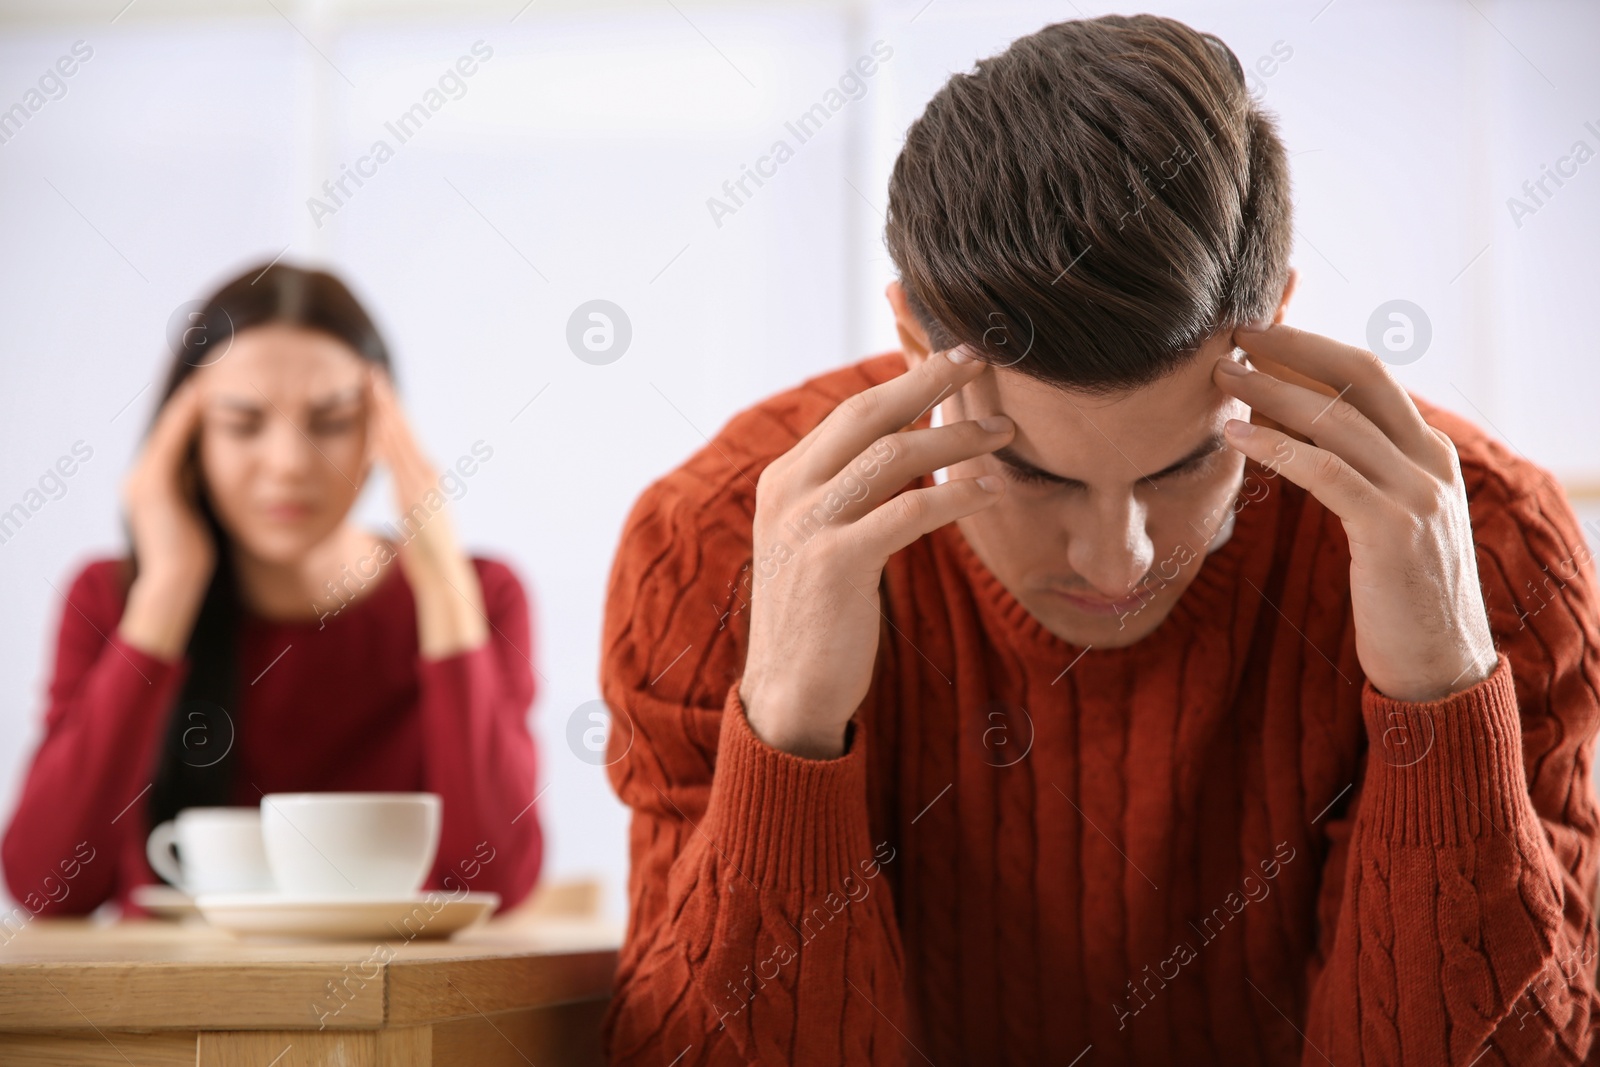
[(1186, 389), (1147, 428)]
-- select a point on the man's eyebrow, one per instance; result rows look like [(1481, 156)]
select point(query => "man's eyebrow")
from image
[(1213, 443)]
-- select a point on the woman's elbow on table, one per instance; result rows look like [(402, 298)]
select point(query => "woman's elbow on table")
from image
[(42, 887)]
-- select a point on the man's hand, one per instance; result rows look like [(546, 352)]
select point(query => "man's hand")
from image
[(821, 540), (1421, 629)]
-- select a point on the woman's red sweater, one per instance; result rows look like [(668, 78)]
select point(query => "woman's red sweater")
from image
[(346, 703), (1218, 845)]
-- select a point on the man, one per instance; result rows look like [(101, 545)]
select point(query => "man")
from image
[(1159, 702)]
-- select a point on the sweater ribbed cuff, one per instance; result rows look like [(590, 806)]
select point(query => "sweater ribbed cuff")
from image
[(145, 667), (782, 820), (1448, 771)]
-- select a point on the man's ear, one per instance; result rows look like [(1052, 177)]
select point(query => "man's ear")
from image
[(1288, 291), (913, 338)]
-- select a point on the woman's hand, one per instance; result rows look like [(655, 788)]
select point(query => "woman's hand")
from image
[(450, 615), (1422, 632), (174, 549)]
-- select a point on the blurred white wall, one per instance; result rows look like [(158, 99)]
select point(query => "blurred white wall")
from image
[(576, 163)]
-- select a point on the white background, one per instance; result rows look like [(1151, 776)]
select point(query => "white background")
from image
[(578, 165)]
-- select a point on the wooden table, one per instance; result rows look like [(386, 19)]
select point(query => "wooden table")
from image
[(153, 993)]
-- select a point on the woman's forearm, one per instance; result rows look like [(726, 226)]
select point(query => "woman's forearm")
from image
[(161, 612), (450, 615)]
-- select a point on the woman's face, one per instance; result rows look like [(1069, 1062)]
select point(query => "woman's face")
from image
[(283, 440)]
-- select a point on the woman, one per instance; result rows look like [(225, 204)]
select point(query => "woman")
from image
[(258, 641)]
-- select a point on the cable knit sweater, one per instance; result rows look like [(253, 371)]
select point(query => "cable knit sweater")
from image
[(1217, 845)]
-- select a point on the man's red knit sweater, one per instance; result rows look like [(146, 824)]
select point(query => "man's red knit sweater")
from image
[(1217, 845), (345, 703)]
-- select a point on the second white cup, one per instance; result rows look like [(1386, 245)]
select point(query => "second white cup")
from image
[(219, 850), (350, 844)]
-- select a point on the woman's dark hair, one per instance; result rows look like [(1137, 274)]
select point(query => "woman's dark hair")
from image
[(1092, 203), (198, 755)]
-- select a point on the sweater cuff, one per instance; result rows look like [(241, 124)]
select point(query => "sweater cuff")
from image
[(459, 664), (135, 666), (782, 820), (1446, 772)]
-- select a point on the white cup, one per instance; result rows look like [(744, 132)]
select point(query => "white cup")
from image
[(219, 850), (350, 844)]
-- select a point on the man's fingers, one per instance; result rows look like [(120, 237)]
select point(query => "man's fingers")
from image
[(1339, 486), (896, 523), (882, 409), (1329, 423), (895, 459), (1360, 376)]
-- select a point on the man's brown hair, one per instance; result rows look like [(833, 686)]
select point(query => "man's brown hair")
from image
[(1092, 204)]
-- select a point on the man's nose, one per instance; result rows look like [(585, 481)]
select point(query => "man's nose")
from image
[(1114, 551)]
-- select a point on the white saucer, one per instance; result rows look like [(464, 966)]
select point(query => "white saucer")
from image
[(164, 901), (421, 915)]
